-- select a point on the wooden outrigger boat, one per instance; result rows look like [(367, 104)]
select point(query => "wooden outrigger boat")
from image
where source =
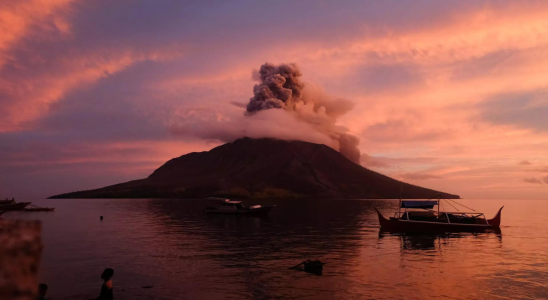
[(39, 209), (226, 206), (419, 216), (14, 206)]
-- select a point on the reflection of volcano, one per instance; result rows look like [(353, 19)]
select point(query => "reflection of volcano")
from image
[(260, 168), (256, 252), (317, 226)]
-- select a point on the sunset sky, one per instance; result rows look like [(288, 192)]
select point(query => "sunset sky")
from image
[(449, 95)]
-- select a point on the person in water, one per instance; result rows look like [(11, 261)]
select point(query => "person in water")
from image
[(106, 288), (42, 291)]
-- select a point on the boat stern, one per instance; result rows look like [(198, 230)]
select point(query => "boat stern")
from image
[(495, 222)]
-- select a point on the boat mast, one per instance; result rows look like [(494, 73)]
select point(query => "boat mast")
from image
[(439, 200), (399, 205)]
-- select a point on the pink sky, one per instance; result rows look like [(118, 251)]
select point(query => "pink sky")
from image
[(450, 95)]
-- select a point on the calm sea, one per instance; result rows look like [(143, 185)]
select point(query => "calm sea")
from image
[(183, 254)]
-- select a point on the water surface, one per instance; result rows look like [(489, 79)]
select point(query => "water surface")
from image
[(184, 254)]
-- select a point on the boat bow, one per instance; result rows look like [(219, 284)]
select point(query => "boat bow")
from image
[(384, 222)]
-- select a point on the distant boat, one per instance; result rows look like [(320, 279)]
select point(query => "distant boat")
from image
[(226, 206), (6, 201), (14, 206), (419, 216), (39, 209)]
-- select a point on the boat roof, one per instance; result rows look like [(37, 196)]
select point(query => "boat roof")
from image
[(225, 200), (418, 204), (217, 198)]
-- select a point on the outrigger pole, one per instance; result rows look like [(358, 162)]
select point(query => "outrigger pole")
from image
[(439, 200), (399, 206)]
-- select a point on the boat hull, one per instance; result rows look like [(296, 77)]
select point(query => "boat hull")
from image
[(14, 206), (397, 225), (39, 209), (261, 211)]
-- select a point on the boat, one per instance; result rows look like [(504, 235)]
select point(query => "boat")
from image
[(6, 201), (39, 209), (420, 216), (14, 206), (226, 206)]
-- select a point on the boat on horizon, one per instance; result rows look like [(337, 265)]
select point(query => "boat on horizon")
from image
[(226, 206), (420, 216), (14, 206), (39, 209), (7, 201)]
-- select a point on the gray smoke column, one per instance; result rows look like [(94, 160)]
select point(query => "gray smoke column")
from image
[(280, 87)]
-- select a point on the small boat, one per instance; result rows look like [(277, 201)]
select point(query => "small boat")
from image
[(39, 209), (14, 206), (419, 216), (6, 201), (226, 206)]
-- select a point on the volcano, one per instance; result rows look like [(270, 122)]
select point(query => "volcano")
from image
[(263, 168)]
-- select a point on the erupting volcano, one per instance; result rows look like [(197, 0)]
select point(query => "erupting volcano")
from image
[(263, 168)]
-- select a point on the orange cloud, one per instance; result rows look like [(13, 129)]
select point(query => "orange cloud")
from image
[(16, 17)]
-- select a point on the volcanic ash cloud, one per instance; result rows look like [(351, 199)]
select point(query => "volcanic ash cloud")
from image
[(280, 87), (282, 107)]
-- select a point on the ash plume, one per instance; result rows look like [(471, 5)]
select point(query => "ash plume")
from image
[(280, 87)]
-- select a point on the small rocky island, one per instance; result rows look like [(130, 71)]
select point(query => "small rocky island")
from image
[(263, 168)]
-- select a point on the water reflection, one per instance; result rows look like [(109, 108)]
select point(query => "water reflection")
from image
[(184, 254), (431, 241), (257, 252)]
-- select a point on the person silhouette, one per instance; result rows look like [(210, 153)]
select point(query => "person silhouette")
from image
[(42, 291), (106, 288)]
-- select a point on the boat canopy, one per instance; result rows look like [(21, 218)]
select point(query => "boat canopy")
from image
[(418, 204), (217, 198)]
